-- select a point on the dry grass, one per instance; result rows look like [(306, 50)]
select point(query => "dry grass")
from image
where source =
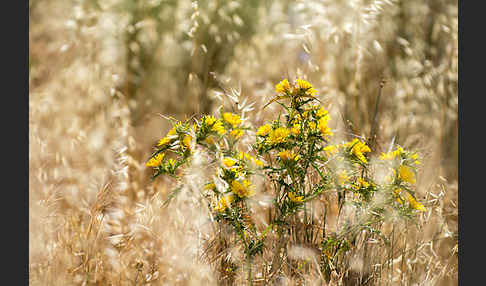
[(96, 217)]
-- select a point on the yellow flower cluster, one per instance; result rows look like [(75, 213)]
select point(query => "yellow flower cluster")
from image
[(397, 193), (288, 155), (186, 142), (223, 203), (322, 112), (361, 184), (236, 133), (278, 135), (242, 155), (415, 158), (322, 125), (294, 198), (170, 135), (397, 153), (285, 87), (295, 130), (264, 130), (243, 189), (358, 148), (331, 150), (209, 120), (406, 174), (303, 84), (229, 162), (215, 124), (232, 119), (414, 204), (156, 160), (282, 86), (411, 200), (392, 154), (210, 186), (218, 127)]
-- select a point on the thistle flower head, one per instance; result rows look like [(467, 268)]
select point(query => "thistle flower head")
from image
[(264, 130), (232, 119), (358, 148), (278, 135), (282, 86), (242, 189)]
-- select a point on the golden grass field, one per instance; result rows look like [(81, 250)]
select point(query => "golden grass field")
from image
[(104, 75)]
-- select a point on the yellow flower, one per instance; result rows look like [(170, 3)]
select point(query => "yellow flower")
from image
[(363, 183), (295, 129), (392, 154), (330, 150), (415, 158), (312, 125), (282, 86), (243, 190), (296, 199), (397, 195), (167, 138), (215, 124), (187, 141), (229, 162), (232, 119), (406, 174), (238, 171), (223, 203), (155, 161), (288, 155), (257, 162), (218, 127), (237, 133), (298, 118), (414, 204), (169, 135), (163, 141), (264, 129), (387, 156), (208, 119), (358, 149), (209, 186), (278, 135), (325, 130), (303, 84), (209, 140), (321, 112)]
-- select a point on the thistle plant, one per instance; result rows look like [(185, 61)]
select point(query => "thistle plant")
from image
[(300, 165)]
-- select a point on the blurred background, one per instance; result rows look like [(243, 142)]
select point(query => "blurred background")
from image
[(102, 72)]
